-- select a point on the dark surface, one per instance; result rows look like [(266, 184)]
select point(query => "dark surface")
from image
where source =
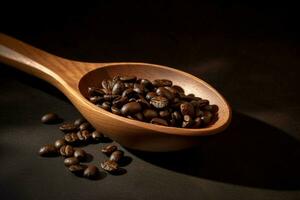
[(249, 52)]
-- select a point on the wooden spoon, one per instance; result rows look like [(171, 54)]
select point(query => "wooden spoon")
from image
[(73, 78)]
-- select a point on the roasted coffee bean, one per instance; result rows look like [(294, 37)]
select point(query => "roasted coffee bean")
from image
[(110, 166), (187, 109), (71, 138), (116, 155), (85, 126), (131, 108), (132, 100), (187, 121), (107, 84), (176, 116), (162, 82), (129, 93), (128, 85), (159, 121), (150, 95), (97, 136), (197, 122), (161, 91), (77, 169), (104, 106), (96, 99), (80, 154), (149, 114), (118, 88), (59, 143), (94, 91), (138, 88), (128, 78), (164, 114), (66, 151), (144, 103), (71, 161), (203, 102), (48, 150), (50, 118), (199, 113), (67, 127), (206, 118), (146, 83), (91, 172), (84, 135), (110, 97), (177, 89), (139, 116), (115, 110), (109, 149), (211, 108), (120, 101), (79, 121), (172, 122), (159, 102)]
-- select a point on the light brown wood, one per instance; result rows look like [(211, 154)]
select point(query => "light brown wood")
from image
[(73, 78)]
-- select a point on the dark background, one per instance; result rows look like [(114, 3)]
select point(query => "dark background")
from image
[(248, 51)]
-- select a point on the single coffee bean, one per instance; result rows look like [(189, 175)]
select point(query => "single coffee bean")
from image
[(164, 114), (199, 113), (161, 91), (79, 121), (66, 151), (118, 88), (177, 89), (159, 121), (150, 95), (96, 99), (146, 83), (129, 93), (67, 127), (203, 102), (110, 166), (77, 169), (131, 108), (85, 126), (59, 143), (187, 109), (159, 102), (211, 108), (116, 155), (162, 82), (107, 84), (138, 88), (91, 172), (71, 138), (71, 161), (120, 101), (128, 78), (197, 122), (95, 91), (187, 121), (97, 136), (144, 103), (206, 118), (50, 118), (149, 114), (109, 149), (177, 116), (115, 110), (110, 97), (139, 116), (80, 154), (84, 135), (48, 150)]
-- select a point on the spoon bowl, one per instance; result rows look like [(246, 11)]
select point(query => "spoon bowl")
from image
[(73, 78)]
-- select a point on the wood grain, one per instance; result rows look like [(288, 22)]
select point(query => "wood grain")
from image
[(73, 78)]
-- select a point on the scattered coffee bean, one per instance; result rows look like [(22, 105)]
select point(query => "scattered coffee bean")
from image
[(109, 149), (71, 138), (77, 169), (97, 136), (67, 127), (59, 143), (48, 150), (116, 155), (91, 172), (71, 161), (85, 126), (110, 166), (80, 154), (79, 121), (50, 118), (66, 151)]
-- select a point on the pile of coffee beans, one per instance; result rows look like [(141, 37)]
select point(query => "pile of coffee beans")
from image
[(157, 102), (78, 133)]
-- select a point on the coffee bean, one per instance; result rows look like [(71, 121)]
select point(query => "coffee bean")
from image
[(131, 108), (109, 149), (129, 85), (146, 83), (187, 121), (161, 91), (120, 101), (94, 91), (85, 126), (206, 118), (197, 122), (139, 116), (91, 172), (138, 88), (66, 151), (115, 110), (211, 108), (164, 114), (50, 118), (199, 113), (67, 127), (116, 155), (97, 136), (96, 99), (71, 161), (150, 95), (144, 103), (128, 78), (187, 109), (71, 138), (176, 116), (159, 102), (110, 97), (110, 166), (77, 169), (149, 114), (162, 82), (59, 143), (118, 88), (177, 89), (159, 121), (129, 93), (80, 154), (107, 85), (84, 135), (79, 121), (48, 150)]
